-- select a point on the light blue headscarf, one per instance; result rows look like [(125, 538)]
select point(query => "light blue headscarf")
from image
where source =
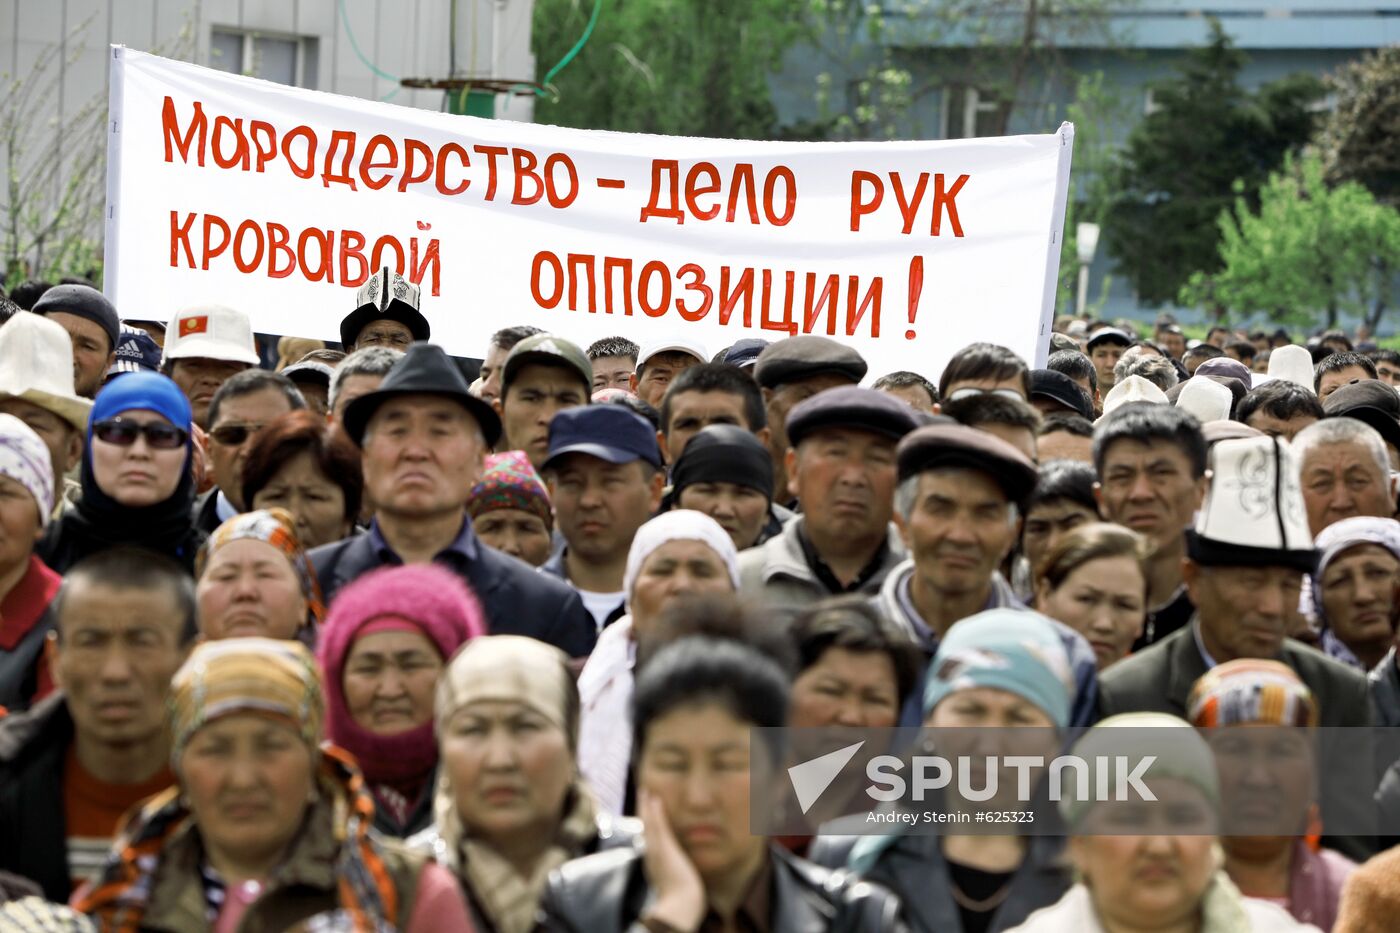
[(1007, 649)]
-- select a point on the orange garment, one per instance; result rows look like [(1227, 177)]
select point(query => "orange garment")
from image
[(93, 809)]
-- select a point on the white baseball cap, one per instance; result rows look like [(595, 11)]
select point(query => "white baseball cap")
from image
[(673, 345), (212, 332)]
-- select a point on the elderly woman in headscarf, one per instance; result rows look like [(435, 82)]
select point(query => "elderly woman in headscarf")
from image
[(138, 484), (1356, 590), (388, 636), (26, 585), (1002, 668), (510, 806), (510, 510), (268, 829), (1152, 864), (255, 579), (675, 555), (1268, 786)]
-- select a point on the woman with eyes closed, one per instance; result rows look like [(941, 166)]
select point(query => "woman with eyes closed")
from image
[(138, 488), (268, 828), (1002, 669), (255, 580), (1095, 581), (386, 639), (510, 806), (698, 702)]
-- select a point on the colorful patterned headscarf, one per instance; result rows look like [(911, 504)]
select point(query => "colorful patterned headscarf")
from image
[(276, 527), (120, 895), (1250, 691), (272, 677), (510, 482)]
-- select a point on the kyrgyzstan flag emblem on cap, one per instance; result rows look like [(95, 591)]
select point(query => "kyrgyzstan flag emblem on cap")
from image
[(199, 324)]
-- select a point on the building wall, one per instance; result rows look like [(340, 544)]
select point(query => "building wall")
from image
[(1280, 37)]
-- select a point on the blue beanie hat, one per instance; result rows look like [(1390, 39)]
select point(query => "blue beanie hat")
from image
[(1008, 649), (143, 390)]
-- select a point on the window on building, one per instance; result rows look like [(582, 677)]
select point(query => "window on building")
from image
[(290, 60), (968, 112)]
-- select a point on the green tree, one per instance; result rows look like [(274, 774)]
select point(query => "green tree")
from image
[(1360, 140), (708, 67), (1308, 251), (1181, 164), (681, 67)]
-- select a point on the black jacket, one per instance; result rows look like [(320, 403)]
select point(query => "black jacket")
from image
[(1159, 679), (33, 829), (516, 598), (607, 893), (913, 867), (206, 512), (1385, 691)]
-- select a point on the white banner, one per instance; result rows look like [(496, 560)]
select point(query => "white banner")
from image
[(279, 201)]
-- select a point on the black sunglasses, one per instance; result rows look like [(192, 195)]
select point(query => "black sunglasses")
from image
[(233, 435), (124, 433)]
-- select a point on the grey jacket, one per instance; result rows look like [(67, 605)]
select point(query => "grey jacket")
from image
[(776, 572)]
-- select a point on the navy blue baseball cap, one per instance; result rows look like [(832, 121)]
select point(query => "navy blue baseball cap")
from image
[(744, 353), (608, 432)]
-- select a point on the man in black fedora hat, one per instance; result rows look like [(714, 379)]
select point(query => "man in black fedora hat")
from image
[(423, 437)]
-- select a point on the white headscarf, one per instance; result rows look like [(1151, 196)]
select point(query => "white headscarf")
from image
[(679, 525), (25, 459)]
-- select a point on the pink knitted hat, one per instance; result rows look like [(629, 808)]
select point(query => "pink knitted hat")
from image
[(436, 601)]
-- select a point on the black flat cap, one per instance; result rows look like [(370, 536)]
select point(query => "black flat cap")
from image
[(804, 356), (851, 407), (425, 369), (956, 445), (1370, 401), (1062, 390)]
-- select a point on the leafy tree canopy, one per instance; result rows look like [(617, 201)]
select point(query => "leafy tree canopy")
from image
[(1181, 164)]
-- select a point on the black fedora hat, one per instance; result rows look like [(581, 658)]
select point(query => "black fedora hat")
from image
[(425, 369)]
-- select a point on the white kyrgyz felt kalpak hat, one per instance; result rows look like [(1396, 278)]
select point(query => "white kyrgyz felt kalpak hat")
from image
[(1254, 515), (1294, 364)]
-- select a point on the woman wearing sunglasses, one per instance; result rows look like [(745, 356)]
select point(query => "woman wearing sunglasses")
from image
[(137, 485)]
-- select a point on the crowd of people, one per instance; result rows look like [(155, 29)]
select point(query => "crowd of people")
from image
[(375, 639)]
